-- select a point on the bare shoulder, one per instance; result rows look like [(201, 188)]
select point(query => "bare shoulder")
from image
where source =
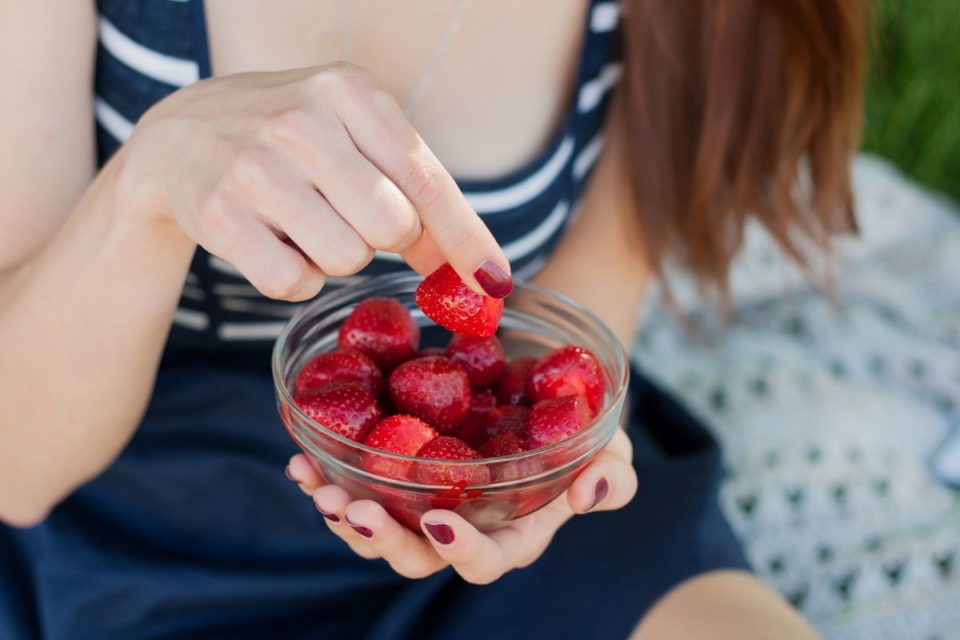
[(46, 124)]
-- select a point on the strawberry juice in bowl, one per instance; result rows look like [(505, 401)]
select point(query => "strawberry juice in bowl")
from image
[(488, 492)]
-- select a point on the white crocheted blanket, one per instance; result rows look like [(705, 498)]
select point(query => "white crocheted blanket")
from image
[(830, 415)]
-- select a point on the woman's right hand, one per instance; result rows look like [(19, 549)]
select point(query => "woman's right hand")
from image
[(292, 176)]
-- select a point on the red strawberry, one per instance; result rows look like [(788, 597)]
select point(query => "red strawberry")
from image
[(505, 444), (473, 429), (345, 407), (339, 365), (481, 358), (481, 426), (449, 448), (556, 419), (382, 329), (433, 389), (512, 388), (567, 371), (444, 298), (400, 434)]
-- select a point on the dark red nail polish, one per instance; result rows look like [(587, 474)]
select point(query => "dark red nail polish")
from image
[(442, 533), (332, 517), (288, 474), (359, 528), (494, 280), (599, 492)]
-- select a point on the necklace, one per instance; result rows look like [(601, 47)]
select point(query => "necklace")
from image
[(434, 62)]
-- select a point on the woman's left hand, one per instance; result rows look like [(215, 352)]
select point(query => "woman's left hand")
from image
[(607, 483)]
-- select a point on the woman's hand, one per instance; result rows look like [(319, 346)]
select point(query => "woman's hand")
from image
[(607, 483), (296, 175)]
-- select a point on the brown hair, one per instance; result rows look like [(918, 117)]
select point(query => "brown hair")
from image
[(730, 101)]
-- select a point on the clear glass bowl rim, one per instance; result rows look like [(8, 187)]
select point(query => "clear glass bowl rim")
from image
[(376, 282)]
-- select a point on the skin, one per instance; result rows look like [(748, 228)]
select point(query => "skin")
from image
[(323, 157)]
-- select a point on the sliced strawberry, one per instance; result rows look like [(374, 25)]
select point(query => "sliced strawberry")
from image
[(449, 448), (383, 330), (567, 371), (556, 419), (507, 418), (505, 444), (400, 434), (345, 407), (444, 298), (433, 389), (340, 365), (481, 358), (512, 388)]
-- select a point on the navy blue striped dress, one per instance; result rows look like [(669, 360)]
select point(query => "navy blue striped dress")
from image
[(194, 532)]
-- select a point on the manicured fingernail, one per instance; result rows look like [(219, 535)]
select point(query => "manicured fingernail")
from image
[(332, 517), (494, 280), (442, 533), (599, 492), (289, 475), (359, 528)]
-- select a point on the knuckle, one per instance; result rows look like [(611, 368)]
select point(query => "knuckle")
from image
[(417, 572), (350, 260), (292, 124), (396, 229), (214, 222), (481, 576), (282, 284), (343, 76), (423, 181)]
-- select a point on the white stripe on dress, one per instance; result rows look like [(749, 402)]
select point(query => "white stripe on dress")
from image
[(527, 189), (193, 293), (178, 72), (190, 319), (111, 120), (587, 157), (221, 265), (250, 331), (592, 91), (263, 307), (540, 234), (604, 17)]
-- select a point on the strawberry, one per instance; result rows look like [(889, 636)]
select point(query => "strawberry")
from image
[(512, 388), (567, 371), (481, 426), (400, 434), (556, 419), (449, 448), (473, 429), (433, 389), (339, 365), (347, 408), (382, 329), (505, 444), (481, 358), (444, 298)]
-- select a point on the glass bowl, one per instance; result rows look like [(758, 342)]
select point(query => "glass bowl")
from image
[(535, 321)]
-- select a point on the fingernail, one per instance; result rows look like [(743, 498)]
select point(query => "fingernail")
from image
[(442, 533), (494, 280), (359, 528), (599, 492), (289, 475), (332, 517)]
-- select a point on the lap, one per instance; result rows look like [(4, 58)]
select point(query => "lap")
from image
[(195, 532)]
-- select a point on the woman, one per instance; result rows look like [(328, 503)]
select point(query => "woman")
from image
[(140, 453)]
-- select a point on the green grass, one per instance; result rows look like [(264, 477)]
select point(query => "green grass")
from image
[(913, 90)]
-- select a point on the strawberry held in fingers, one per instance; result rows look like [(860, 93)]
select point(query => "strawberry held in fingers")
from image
[(432, 388), (345, 407), (382, 329), (481, 358), (567, 371), (447, 300), (339, 365), (556, 419), (399, 434), (449, 448)]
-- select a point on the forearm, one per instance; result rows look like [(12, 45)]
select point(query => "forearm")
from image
[(82, 326)]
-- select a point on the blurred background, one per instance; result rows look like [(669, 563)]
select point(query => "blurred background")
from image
[(840, 419), (913, 91)]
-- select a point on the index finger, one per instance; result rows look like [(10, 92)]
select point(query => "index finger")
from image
[(382, 133)]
